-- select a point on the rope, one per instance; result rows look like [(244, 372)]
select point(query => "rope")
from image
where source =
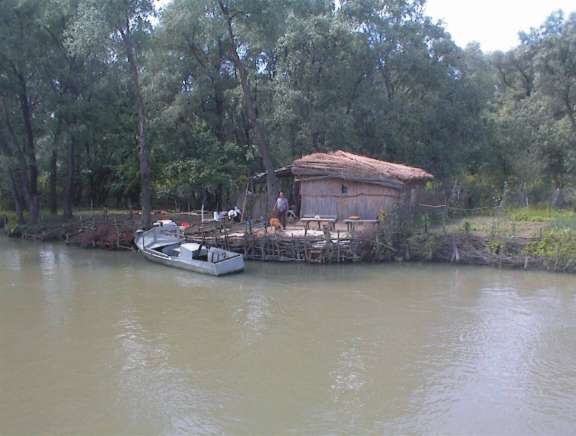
[(441, 206)]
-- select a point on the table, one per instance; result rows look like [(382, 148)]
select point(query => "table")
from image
[(351, 223), (331, 221)]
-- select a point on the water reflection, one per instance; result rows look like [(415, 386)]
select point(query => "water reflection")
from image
[(253, 316)]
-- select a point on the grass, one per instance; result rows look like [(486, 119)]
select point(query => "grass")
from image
[(539, 215), (522, 222)]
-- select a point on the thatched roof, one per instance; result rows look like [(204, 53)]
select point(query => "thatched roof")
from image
[(280, 172), (348, 166)]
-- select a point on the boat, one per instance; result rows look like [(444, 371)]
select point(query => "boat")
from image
[(164, 244)]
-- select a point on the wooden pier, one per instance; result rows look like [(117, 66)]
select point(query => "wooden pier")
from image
[(293, 245)]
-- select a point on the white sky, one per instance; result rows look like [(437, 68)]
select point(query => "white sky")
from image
[(493, 23)]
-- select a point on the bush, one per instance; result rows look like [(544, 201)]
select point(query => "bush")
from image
[(12, 219), (557, 242)]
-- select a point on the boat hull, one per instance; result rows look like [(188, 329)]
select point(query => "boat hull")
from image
[(229, 264)]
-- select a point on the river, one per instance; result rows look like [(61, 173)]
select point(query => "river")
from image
[(95, 342)]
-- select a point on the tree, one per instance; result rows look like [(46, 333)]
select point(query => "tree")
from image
[(556, 65), (123, 23), (22, 50), (230, 10), (12, 162), (96, 97)]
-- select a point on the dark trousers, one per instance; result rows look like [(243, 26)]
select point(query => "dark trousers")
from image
[(282, 218)]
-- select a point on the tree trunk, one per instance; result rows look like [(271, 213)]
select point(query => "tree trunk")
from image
[(218, 93), (33, 198), (68, 198), (250, 106), (524, 193), (18, 199), (16, 166), (571, 115), (219, 102), (53, 181), (143, 150)]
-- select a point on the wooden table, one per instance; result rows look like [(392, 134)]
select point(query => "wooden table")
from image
[(331, 221), (351, 223)]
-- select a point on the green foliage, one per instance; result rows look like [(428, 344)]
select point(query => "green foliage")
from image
[(558, 243), (533, 122), (215, 170), (430, 245), (468, 227), (12, 219), (496, 246), (382, 216)]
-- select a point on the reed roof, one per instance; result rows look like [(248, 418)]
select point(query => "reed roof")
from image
[(344, 165)]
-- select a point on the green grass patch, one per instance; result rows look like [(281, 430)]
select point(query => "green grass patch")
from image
[(540, 215)]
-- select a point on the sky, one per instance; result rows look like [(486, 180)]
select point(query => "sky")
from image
[(493, 23)]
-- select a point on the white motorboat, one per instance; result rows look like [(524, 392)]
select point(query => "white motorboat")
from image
[(164, 244)]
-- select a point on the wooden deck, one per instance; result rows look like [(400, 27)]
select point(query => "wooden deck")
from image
[(331, 244)]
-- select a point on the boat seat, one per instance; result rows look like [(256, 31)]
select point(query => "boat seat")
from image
[(172, 250), (191, 246)]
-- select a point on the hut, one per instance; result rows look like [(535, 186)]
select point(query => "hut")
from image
[(344, 185)]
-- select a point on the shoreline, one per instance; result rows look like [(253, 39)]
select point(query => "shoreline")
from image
[(115, 232)]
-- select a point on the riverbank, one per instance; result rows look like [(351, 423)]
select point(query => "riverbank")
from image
[(110, 230), (96, 231), (554, 251), (533, 244)]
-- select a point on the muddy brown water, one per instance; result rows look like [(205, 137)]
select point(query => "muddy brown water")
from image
[(94, 342)]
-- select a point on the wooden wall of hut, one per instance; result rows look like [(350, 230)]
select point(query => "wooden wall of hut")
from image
[(342, 198)]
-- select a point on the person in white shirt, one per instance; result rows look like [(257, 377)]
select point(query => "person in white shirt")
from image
[(281, 208), (235, 214)]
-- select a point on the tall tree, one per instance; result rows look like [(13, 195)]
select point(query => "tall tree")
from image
[(12, 162), (22, 50), (556, 64), (230, 10), (124, 24)]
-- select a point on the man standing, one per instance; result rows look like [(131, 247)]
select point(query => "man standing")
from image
[(281, 208)]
